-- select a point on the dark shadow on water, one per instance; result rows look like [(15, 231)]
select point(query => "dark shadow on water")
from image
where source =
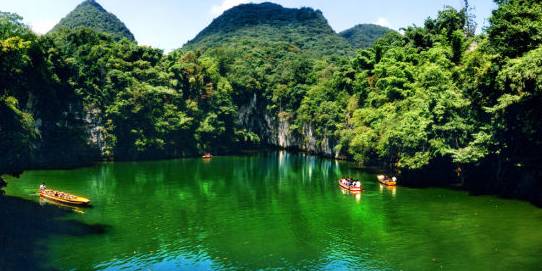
[(24, 228)]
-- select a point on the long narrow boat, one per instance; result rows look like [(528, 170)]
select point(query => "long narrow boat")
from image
[(386, 180), (207, 156), (343, 183), (64, 197)]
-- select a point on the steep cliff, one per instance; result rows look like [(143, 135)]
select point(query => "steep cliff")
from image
[(276, 129), (267, 52)]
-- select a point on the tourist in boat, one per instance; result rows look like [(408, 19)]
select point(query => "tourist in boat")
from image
[(43, 187), (394, 179)]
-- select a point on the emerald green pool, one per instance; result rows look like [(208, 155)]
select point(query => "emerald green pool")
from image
[(269, 211)]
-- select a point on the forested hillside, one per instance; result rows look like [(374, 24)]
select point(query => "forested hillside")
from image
[(363, 36), (436, 101), (269, 25), (89, 14), (269, 53)]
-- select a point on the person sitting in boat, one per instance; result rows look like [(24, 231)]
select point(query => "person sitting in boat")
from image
[(43, 187), (394, 179)]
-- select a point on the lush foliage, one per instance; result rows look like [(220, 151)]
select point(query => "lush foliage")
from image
[(516, 27), (436, 99), (35, 100), (148, 105)]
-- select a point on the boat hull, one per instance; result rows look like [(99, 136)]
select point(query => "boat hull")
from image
[(350, 188), (382, 179), (78, 201), (388, 183)]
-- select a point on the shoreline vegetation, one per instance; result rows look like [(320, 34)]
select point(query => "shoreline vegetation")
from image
[(436, 105)]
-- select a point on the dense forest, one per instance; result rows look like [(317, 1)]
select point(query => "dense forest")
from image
[(436, 104)]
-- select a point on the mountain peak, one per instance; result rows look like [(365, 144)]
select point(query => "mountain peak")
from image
[(305, 28), (364, 35), (267, 13), (90, 14)]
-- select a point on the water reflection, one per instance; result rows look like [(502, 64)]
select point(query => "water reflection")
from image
[(281, 210), (75, 209), (388, 189), (354, 194)]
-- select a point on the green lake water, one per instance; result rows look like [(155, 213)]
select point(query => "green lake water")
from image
[(267, 211)]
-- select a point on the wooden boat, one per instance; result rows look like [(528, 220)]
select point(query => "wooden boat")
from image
[(387, 181), (63, 197), (343, 183), (207, 156)]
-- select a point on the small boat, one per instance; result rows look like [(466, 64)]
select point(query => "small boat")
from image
[(387, 181), (63, 197), (207, 156), (347, 185)]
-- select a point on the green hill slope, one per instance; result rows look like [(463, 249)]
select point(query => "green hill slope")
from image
[(91, 15), (364, 35), (263, 24)]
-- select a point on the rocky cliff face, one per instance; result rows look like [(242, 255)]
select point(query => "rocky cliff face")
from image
[(275, 129), (63, 131), (97, 132)]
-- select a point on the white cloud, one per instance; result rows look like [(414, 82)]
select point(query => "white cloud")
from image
[(42, 27), (225, 5), (383, 22)]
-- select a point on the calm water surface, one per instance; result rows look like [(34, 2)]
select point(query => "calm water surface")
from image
[(277, 211)]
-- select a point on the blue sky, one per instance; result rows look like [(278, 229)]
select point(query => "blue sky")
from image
[(168, 24)]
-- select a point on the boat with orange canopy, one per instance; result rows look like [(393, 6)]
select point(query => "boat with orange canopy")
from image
[(387, 181)]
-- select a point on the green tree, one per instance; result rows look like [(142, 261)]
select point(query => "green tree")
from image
[(515, 27)]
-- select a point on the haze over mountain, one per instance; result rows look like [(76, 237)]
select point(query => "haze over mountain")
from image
[(90, 14), (364, 35)]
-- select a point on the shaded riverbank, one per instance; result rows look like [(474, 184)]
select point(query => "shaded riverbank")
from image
[(26, 227)]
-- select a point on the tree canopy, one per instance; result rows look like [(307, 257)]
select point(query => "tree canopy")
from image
[(435, 101)]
